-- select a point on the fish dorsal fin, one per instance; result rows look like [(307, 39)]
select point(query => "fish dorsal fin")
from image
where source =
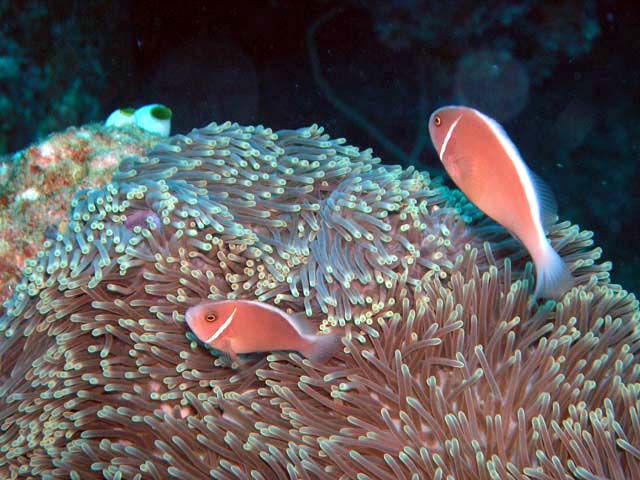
[(546, 201), (301, 323), (548, 208), (298, 321)]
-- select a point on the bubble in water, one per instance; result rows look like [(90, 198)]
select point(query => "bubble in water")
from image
[(493, 82), (573, 125)]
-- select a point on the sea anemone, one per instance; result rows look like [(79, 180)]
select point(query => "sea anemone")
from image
[(447, 369)]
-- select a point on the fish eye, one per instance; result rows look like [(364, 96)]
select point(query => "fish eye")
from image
[(211, 317), (437, 120)]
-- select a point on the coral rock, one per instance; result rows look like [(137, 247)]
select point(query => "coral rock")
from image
[(37, 184)]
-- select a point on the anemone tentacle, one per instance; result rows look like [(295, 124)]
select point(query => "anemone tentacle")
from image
[(446, 370)]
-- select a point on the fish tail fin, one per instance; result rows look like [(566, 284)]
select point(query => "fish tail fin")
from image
[(321, 348), (553, 278)]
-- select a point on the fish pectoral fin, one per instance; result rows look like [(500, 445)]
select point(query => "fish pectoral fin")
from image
[(224, 346), (241, 362), (233, 358), (459, 167)]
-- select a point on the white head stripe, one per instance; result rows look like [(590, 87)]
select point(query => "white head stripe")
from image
[(224, 326), (448, 136)]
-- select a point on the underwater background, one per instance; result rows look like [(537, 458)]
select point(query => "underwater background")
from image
[(562, 77), (114, 237)]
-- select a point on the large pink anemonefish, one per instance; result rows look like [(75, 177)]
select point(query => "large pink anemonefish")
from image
[(485, 164)]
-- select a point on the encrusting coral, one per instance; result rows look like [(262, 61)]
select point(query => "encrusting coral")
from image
[(447, 370), (38, 183)]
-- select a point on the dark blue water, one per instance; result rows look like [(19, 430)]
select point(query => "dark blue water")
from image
[(562, 77)]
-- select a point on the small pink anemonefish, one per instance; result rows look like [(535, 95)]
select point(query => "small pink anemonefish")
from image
[(483, 162), (247, 326)]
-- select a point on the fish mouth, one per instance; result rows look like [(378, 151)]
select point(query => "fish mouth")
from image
[(188, 316)]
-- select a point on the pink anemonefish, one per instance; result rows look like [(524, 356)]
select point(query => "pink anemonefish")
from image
[(139, 218), (246, 326), (483, 162)]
